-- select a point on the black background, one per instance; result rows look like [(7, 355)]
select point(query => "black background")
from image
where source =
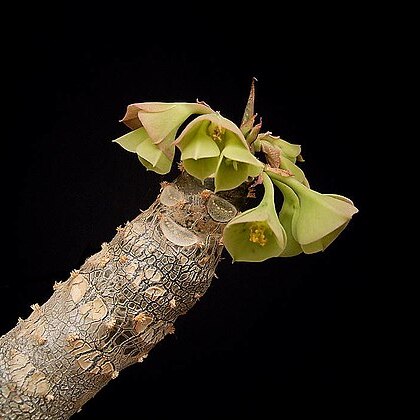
[(264, 332)]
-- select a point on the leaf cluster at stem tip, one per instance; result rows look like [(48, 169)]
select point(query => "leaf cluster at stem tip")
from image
[(212, 146)]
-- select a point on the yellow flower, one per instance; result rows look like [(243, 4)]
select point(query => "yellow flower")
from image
[(256, 234)]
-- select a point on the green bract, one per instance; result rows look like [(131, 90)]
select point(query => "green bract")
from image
[(236, 164), (287, 164), (256, 234), (149, 154), (213, 146), (288, 150), (289, 208), (311, 220), (199, 146), (155, 125), (281, 154)]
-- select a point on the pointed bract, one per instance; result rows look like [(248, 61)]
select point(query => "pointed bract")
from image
[(272, 153), (253, 133), (249, 115)]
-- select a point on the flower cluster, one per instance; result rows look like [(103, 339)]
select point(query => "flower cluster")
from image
[(213, 146), (307, 222)]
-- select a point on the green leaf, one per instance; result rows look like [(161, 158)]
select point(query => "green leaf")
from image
[(321, 217), (253, 134), (254, 170), (240, 153), (342, 198), (289, 150), (229, 174), (236, 164), (324, 242), (288, 211), (131, 140), (217, 129), (256, 234), (199, 150), (160, 118), (153, 158), (295, 170), (201, 168), (200, 144), (157, 158), (162, 167)]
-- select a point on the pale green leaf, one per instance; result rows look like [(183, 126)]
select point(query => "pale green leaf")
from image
[(200, 145), (324, 242), (320, 214), (153, 158), (229, 174), (294, 169), (289, 210), (159, 118), (131, 140), (202, 168)]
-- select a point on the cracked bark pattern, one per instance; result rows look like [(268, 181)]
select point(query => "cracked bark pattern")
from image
[(109, 314)]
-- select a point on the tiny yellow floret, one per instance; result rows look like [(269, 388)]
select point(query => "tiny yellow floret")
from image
[(256, 234)]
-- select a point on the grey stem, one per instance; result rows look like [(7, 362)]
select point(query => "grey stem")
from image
[(112, 311)]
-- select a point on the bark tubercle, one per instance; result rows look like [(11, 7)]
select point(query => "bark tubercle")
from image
[(122, 301)]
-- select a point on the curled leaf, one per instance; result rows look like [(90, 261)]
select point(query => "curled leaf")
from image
[(159, 122), (161, 118), (131, 140), (316, 219), (289, 210), (153, 157)]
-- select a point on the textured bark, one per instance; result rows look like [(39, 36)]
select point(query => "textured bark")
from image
[(112, 312)]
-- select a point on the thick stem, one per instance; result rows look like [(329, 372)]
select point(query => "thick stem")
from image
[(112, 312)]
